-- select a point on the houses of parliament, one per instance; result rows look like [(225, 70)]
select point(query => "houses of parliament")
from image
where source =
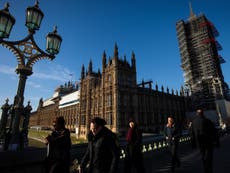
[(113, 94)]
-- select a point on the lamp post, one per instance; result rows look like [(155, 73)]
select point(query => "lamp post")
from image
[(27, 53)]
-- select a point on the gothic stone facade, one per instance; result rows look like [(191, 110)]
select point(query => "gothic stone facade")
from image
[(51, 108), (114, 95)]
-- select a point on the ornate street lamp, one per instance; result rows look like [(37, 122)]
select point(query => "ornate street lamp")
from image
[(34, 17), (27, 53), (53, 42), (6, 22)]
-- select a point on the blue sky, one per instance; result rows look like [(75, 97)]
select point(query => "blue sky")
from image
[(89, 27)]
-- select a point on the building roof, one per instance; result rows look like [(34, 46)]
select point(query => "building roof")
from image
[(70, 99), (48, 102)]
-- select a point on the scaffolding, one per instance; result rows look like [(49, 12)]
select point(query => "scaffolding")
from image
[(200, 59)]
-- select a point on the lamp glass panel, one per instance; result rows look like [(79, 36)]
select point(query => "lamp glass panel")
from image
[(29, 16), (5, 26), (9, 26), (49, 45), (1, 34), (53, 44), (39, 20), (56, 41), (35, 18), (3, 21)]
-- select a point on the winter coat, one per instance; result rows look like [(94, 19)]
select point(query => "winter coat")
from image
[(173, 133), (102, 154), (58, 156), (204, 133)]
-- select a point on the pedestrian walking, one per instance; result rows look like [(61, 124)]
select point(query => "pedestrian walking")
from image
[(58, 148), (102, 153), (172, 135), (133, 159), (205, 137)]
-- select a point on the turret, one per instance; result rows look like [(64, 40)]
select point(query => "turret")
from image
[(116, 53), (125, 59), (103, 61), (182, 91), (40, 105), (90, 67), (99, 72), (133, 60), (83, 72)]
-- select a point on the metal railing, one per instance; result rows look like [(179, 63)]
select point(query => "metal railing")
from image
[(33, 159)]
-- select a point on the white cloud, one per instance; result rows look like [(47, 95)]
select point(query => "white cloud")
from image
[(33, 84), (57, 73), (5, 69)]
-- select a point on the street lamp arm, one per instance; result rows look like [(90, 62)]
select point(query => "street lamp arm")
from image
[(37, 57), (14, 50), (26, 50), (17, 42), (40, 54)]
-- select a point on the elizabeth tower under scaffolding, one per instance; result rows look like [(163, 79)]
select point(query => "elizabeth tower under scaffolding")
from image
[(200, 61)]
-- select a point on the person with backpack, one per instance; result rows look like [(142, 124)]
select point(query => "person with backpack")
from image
[(102, 153), (133, 158)]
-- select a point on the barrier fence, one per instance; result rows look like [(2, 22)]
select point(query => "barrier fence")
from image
[(32, 159)]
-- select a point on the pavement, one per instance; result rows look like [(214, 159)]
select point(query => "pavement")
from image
[(159, 161)]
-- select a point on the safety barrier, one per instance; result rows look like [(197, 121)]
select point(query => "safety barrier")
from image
[(32, 160)]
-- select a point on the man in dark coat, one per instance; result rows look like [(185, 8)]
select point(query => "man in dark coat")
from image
[(59, 145), (102, 153), (172, 134), (204, 136)]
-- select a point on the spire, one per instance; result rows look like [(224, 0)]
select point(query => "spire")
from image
[(116, 51), (182, 91), (192, 15), (156, 87), (90, 67), (133, 59), (83, 72), (99, 72), (167, 89), (172, 91), (40, 103), (125, 58), (104, 59)]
